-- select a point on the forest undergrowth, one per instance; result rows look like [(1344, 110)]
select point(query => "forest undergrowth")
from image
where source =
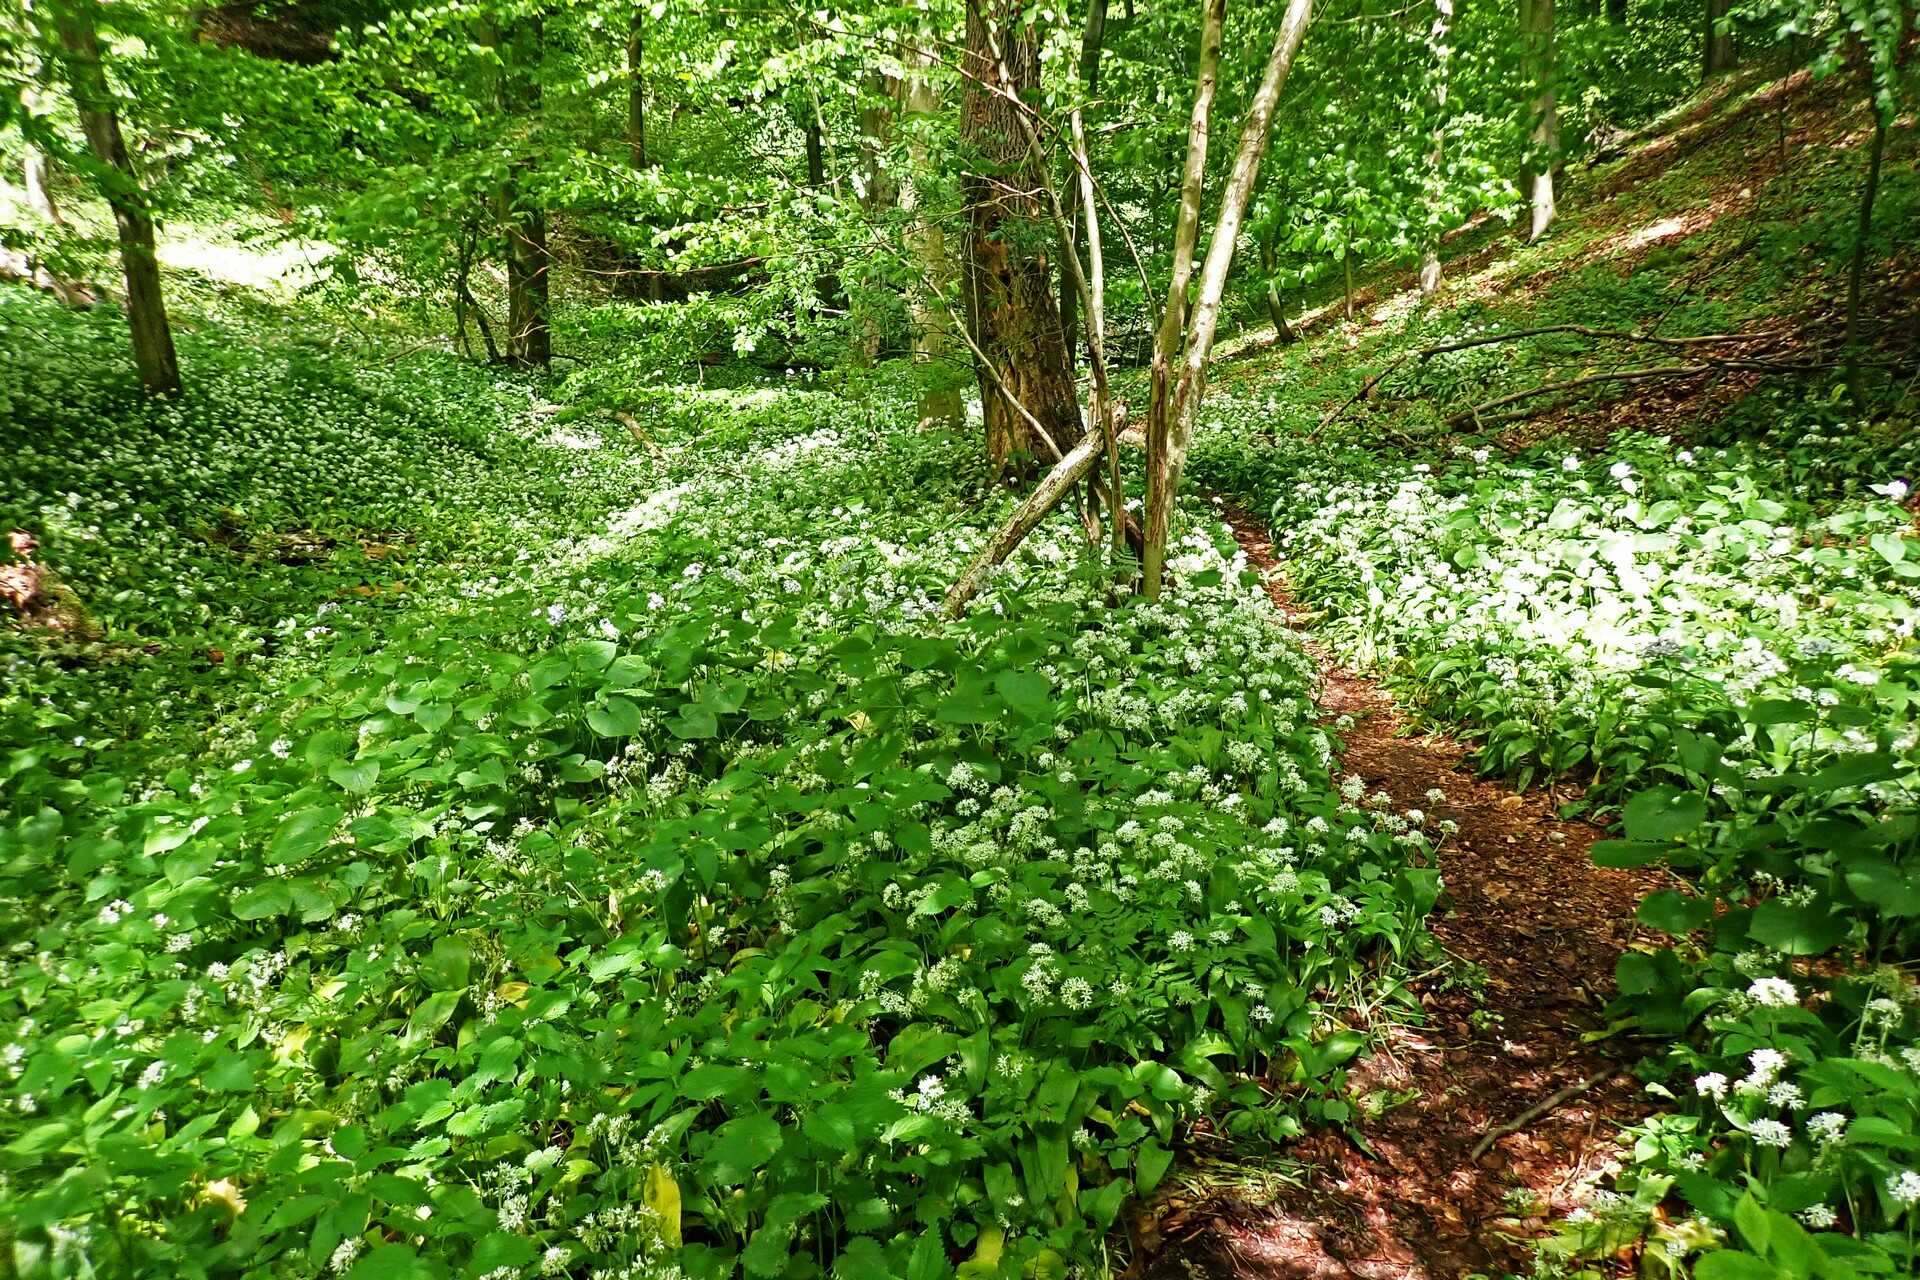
[(476, 823), (1685, 613), (478, 844)]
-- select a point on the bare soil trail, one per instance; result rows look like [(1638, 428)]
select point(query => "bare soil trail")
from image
[(1534, 928)]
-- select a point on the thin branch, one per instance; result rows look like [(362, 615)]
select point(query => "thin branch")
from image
[(1539, 1109)]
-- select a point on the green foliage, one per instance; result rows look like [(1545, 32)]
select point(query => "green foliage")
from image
[(655, 880)]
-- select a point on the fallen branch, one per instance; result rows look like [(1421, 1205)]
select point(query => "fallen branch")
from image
[(1539, 1109), (1424, 354), (1053, 486), (1587, 331), (1478, 413)]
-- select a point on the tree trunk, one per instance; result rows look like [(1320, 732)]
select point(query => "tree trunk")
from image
[(1543, 142), (1617, 12), (1717, 50), (153, 353), (36, 169), (1437, 41), (523, 221), (1010, 300), (1863, 232), (1283, 333), (880, 193), (1165, 466), (637, 86), (816, 153), (933, 342), (1092, 40), (1186, 237)]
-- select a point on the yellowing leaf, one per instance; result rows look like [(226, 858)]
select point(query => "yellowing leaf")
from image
[(663, 1197), (986, 1255)]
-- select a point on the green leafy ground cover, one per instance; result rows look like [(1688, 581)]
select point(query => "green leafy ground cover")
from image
[(1710, 632), (604, 862)]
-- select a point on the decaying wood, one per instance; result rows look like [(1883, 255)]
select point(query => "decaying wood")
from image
[(19, 267), (38, 598)]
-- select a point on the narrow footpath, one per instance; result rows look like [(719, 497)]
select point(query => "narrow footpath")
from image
[(1533, 929)]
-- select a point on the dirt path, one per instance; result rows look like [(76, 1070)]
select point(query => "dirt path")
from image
[(1525, 907)]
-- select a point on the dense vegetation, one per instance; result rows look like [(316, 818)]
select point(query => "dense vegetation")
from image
[(596, 683)]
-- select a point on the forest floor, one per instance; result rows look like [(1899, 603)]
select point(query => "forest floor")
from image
[(1498, 1115), (1533, 929)]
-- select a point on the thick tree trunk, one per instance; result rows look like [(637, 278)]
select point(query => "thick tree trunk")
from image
[(1010, 300), (529, 336), (153, 353), (1543, 149), (1092, 40), (1166, 464), (1717, 54), (523, 221), (1856, 274), (1442, 49), (637, 86)]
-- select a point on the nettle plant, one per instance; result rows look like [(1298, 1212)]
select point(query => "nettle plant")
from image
[(689, 900)]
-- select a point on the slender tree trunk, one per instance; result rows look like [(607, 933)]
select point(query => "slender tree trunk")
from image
[(153, 353), (39, 181), (1164, 468), (1186, 238), (1717, 49), (816, 153), (1010, 299), (1092, 40), (37, 170), (1437, 41), (933, 341), (1283, 333), (637, 86), (1543, 149), (1856, 274), (529, 337)]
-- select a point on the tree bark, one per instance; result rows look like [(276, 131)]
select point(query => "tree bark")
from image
[(523, 221), (153, 353), (1165, 465), (927, 243), (1093, 38), (1856, 274), (1186, 237), (37, 171), (880, 193), (1718, 54), (1543, 142), (1010, 300), (1283, 333), (1437, 41), (637, 86)]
